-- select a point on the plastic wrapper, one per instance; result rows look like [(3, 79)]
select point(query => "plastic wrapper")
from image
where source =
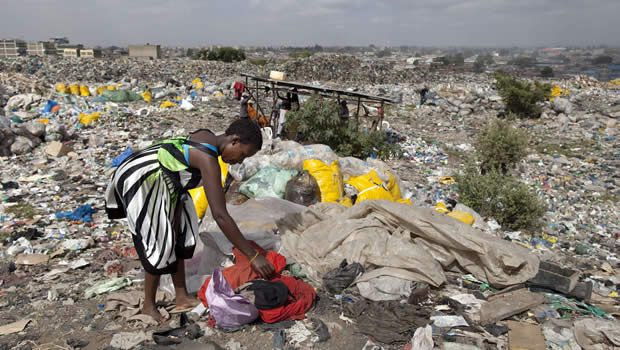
[(303, 189), (249, 167), (268, 182), (340, 278), (294, 157), (256, 219), (229, 310), (328, 178)]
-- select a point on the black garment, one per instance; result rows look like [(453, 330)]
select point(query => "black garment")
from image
[(341, 277), (423, 93), (243, 113), (269, 295), (387, 321), (295, 97), (345, 111)]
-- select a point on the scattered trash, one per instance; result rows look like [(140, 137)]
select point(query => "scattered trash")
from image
[(127, 340), (107, 286), (83, 213), (423, 339), (449, 321), (14, 327)]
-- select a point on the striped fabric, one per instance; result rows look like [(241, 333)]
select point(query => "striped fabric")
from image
[(150, 189)]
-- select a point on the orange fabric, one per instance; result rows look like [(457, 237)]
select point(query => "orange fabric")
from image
[(242, 271), (301, 294), (300, 299), (261, 120)]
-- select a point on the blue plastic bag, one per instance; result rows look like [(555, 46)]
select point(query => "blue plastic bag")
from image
[(49, 106), (119, 160), (83, 213)]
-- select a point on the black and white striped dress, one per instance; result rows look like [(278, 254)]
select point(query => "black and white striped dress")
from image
[(150, 189)]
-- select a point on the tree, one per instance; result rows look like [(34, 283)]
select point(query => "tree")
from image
[(521, 97), (456, 60), (603, 60), (478, 66), (320, 121), (224, 54), (547, 72), (523, 61), (384, 53)]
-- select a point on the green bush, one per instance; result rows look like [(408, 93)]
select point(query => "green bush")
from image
[(521, 97), (455, 60), (319, 120), (523, 61), (502, 197), (500, 146), (547, 72), (300, 54), (384, 53), (603, 60), (224, 54), (258, 61)]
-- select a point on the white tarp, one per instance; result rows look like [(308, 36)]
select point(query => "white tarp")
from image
[(406, 242)]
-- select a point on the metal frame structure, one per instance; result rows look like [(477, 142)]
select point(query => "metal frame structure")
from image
[(254, 85)]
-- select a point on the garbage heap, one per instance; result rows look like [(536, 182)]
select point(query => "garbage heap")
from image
[(374, 255)]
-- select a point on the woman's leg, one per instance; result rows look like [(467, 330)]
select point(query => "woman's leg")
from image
[(151, 282), (183, 300)]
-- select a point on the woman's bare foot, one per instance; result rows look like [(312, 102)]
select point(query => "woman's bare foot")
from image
[(185, 302), (152, 311)]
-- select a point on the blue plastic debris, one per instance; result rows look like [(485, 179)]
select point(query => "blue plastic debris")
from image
[(118, 160), (49, 106), (83, 213)]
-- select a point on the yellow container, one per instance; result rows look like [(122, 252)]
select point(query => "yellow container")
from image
[(74, 89), (275, 75), (61, 88), (84, 90)]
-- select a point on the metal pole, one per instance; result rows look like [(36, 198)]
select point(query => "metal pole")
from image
[(357, 114)]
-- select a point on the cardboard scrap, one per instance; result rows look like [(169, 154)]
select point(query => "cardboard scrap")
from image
[(509, 304), (525, 336), (32, 259), (14, 327)]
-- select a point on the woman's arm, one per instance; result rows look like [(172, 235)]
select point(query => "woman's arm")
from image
[(211, 180)]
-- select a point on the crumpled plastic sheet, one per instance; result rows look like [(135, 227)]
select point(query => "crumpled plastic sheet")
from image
[(126, 340), (403, 241), (107, 286), (593, 333), (256, 219), (82, 213)]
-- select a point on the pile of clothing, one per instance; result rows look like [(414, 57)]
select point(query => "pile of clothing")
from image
[(237, 295)]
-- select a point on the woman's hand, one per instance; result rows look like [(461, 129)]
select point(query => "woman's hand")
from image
[(263, 266)]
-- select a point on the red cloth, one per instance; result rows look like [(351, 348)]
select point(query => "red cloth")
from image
[(242, 271), (301, 294), (300, 299), (239, 89)]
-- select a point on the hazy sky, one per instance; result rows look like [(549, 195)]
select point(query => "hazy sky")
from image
[(324, 22)]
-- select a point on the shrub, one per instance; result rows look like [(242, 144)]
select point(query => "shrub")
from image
[(502, 197), (547, 72), (456, 60), (500, 146), (603, 60), (478, 67), (384, 53), (521, 97), (301, 54), (258, 61), (523, 61), (320, 121), (224, 54)]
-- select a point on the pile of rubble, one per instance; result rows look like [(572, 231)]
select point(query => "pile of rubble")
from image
[(414, 278)]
